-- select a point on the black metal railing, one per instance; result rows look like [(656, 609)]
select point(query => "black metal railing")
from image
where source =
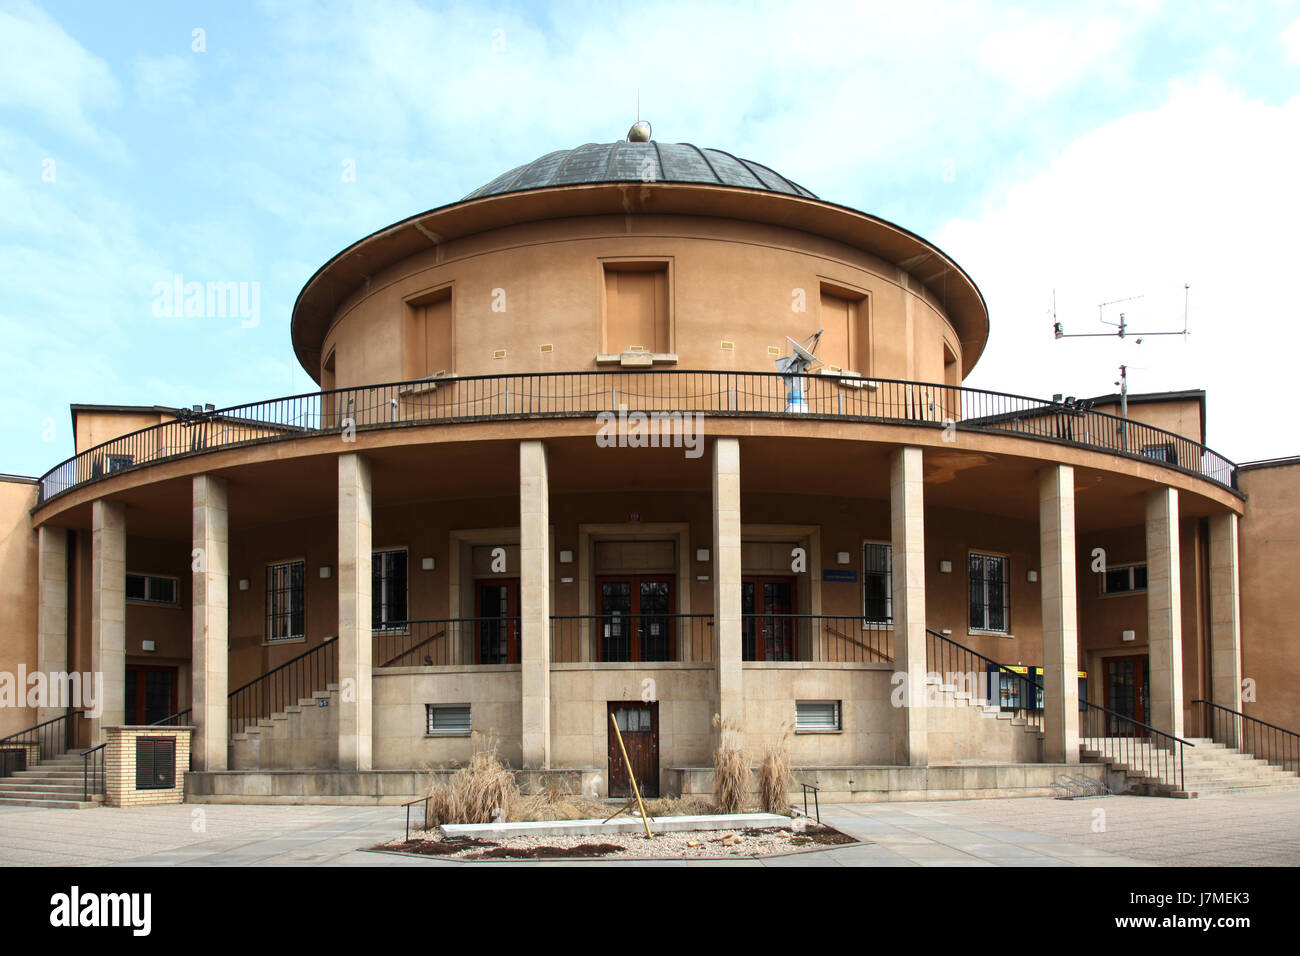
[(53, 737), (1262, 740), (984, 679), (645, 638), (814, 637), (92, 771), (181, 718), (283, 686), (1123, 741), (1113, 736), (458, 641), (676, 394)]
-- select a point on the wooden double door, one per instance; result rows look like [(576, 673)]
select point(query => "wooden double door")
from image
[(769, 631), (1128, 693), (496, 632), (639, 724), (636, 618), (151, 693)]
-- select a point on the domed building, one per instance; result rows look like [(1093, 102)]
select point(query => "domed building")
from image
[(647, 436)]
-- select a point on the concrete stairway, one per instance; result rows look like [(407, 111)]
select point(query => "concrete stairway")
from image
[(1209, 768), (58, 783), (964, 730), (301, 735)]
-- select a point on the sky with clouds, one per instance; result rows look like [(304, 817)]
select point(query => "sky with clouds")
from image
[(1088, 152)]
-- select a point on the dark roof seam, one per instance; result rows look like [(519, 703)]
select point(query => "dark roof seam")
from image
[(609, 166), (744, 164), (709, 164), (659, 158), (567, 159)]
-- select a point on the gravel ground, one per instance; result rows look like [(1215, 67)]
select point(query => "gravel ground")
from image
[(698, 844)]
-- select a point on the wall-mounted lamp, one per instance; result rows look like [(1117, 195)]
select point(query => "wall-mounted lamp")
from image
[(566, 557), (841, 557), (325, 571), (1031, 576), (245, 584), (1129, 635), (701, 554), (428, 564), (945, 567)]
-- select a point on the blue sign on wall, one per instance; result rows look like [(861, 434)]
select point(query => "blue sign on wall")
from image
[(848, 577)]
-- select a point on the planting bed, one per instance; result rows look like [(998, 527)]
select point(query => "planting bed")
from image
[(688, 844)]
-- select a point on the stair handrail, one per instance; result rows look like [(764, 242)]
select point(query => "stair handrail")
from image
[(64, 746), (1262, 730), (1161, 766), (266, 680), (88, 776)]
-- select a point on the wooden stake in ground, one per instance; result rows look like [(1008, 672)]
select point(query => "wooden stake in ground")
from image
[(636, 791)]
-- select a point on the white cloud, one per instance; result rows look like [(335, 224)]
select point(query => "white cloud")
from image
[(45, 70), (1200, 190), (1291, 41)]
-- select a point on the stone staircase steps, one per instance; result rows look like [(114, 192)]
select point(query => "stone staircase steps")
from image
[(57, 783)]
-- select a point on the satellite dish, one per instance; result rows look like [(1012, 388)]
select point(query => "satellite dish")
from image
[(795, 366)]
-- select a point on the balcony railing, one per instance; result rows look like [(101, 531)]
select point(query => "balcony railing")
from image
[(455, 641), (644, 638), (814, 637), (668, 392)]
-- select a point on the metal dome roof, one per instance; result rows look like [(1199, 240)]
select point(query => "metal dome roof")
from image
[(625, 162)]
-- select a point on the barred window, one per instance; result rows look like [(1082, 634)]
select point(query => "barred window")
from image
[(286, 603), (447, 718), (990, 593), (387, 589), (877, 583)]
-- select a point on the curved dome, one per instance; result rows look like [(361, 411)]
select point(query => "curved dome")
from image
[(625, 162)]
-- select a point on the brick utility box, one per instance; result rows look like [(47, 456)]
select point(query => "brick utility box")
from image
[(145, 766)]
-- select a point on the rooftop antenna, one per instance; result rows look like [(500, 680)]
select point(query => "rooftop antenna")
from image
[(1122, 331), (640, 131), (795, 366), (1121, 327)]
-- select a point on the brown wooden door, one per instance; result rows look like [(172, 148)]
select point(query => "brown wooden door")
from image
[(497, 630), (637, 622), (639, 725), (151, 693), (768, 633), (1128, 690)]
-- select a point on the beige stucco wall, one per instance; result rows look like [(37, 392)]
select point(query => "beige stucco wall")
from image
[(18, 592), (1270, 601), (730, 281)]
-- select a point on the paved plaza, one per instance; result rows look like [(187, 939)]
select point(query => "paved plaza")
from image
[(1249, 829)]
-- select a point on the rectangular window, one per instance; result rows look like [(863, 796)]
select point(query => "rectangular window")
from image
[(152, 589), (990, 593), (286, 601), (846, 342), (817, 715), (1125, 579), (877, 583), (387, 589), (1162, 452), (447, 719)]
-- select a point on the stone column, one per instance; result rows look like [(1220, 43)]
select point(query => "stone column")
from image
[(726, 584), (1164, 612), (1225, 617), (1056, 548), (355, 713), (108, 613), (210, 621), (52, 612), (535, 604), (907, 524)]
